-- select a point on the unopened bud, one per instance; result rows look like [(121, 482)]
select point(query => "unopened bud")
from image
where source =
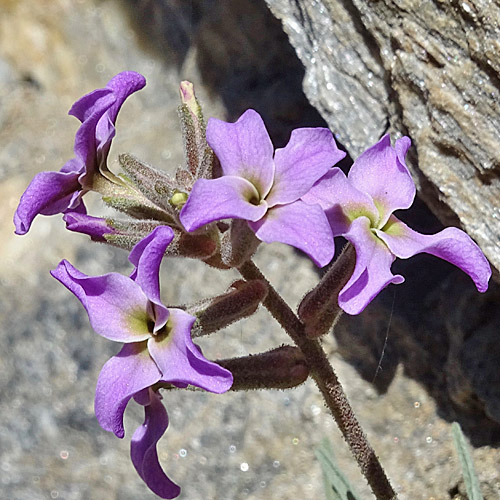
[(280, 368), (178, 199), (241, 301), (319, 309)]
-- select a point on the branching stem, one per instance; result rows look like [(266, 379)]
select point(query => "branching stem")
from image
[(329, 385)]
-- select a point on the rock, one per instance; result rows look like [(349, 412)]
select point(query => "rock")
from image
[(429, 71)]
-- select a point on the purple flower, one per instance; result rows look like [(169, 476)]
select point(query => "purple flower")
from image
[(157, 346), (51, 193), (264, 187), (359, 207)]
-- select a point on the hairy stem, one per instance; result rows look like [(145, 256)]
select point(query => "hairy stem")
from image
[(329, 385)]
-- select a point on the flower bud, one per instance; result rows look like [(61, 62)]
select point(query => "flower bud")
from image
[(239, 302), (280, 368), (319, 309)]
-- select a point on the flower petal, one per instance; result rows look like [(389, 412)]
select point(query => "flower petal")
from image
[(372, 272), (122, 85), (47, 194), (125, 374), (227, 197), (450, 244), (244, 149), (116, 305), (341, 201), (86, 142), (382, 173), (181, 362), (146, 256), (143, 449), (309, 155), (95, 227), (301, 225)]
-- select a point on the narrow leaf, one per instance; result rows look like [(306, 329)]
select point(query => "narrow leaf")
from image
[(470, 478), (337, 486)]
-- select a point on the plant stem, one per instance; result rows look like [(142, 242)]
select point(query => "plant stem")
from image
[(329, 385)]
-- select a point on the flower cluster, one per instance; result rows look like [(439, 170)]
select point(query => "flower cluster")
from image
[(234, 192)]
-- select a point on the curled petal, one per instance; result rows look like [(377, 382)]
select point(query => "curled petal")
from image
[(244, 149), (382, 173), (181, 362), (309, 155), (300, 225), (123, 85), (450, 244), (146, 256), (341, 201), (86, 143), (227, 197), (95, 227), (125, 374), (372, 272), (47, 194), (115, 304), (143, 449)]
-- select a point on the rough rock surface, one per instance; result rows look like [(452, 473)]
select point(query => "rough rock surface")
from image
[(236, 446), (426, 69)]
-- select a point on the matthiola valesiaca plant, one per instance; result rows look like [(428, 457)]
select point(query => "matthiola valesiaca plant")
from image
[(234, 192)]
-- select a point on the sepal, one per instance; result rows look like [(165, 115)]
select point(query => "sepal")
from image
[(319, 309), (238, 244), (128, 233), (155, 185)]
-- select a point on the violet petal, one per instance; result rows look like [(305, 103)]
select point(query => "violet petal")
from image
[(146, 256), (130, 371), (301, 225), (48, 193), (181, 362), (450, 244), (227, 197), (95, 227), (309, 155), (143, 449), (341, 201), (372, 271), (116, 305), (382, 173), (244, 149)]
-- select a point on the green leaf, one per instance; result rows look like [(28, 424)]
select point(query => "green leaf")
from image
[(470, 477), (337, 486)]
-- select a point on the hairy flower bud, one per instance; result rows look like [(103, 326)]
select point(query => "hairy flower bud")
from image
[(280, 368), (319, 309), (239, 302), (199, 156)]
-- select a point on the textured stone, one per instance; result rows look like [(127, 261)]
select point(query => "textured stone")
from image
[(426, 69)]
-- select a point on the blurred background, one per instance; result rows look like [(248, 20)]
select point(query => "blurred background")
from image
[(433, 336)]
